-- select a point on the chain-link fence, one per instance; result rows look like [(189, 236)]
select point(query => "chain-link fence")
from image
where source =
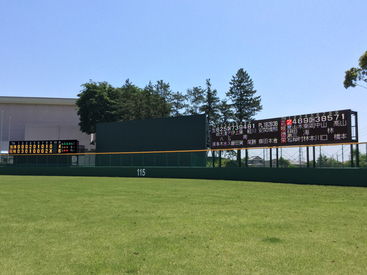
[(338, 156), (346, 155)]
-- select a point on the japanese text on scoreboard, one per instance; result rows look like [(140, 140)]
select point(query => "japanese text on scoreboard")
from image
[(317, 128)]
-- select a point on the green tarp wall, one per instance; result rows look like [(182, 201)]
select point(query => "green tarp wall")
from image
[(175, 159), (161, 134), (320, 176)]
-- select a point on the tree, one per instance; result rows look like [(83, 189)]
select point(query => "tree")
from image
[(100, 102), (210, 106), (128, 102), (282, 162), (362, 159), (357, 74), (151, 101), (241, 93), (225, 112), (324, 161), (178, 103), (195, 97), (97, 103), (163, 89), (136, 103)]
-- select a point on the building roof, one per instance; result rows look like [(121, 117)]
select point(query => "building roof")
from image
[(37, 100)]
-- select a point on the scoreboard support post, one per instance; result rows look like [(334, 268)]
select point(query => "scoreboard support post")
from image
[(352, 164), (213, 158), (271, 157), (308, 157), (351, 156), (314, 156), (357, 156), (220, 158), (246, 157), (239, 157), (277, 156)]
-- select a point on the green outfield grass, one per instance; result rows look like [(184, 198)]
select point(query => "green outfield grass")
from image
[(81, 225)]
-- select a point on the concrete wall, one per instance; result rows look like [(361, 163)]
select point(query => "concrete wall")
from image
[(30, 118)]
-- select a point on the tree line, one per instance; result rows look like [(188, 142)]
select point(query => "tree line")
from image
[(99, 102)]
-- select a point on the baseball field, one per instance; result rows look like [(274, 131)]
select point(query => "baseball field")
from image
[(91, 225)]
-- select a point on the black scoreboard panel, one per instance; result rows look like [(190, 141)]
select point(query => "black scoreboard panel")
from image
[(43, 147), (317, 128)]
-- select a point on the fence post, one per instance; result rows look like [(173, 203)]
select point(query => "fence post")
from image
[(220, 158), (351, 156), (213, 158), (271, 157), (308, 156), (357, 156), (239, 157), (246, 157)]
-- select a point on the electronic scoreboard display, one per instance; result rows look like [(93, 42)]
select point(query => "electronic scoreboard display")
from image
[(43, 147), (317, 128)]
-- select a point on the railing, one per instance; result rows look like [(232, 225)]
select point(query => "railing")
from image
[(338, 156)]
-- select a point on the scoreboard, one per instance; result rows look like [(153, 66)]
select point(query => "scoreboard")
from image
[(317, 128), (43, 147)]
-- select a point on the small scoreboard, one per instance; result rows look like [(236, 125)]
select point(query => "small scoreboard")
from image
[(43, 147), (317, 128)]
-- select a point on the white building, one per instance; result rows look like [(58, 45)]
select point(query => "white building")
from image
[(37, 118)]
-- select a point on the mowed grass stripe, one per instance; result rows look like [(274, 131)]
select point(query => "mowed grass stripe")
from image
[(85, 225)]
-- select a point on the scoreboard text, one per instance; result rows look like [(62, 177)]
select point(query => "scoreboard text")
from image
[(44, 147), (318, 128)]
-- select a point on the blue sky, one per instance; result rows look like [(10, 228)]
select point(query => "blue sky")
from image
[(296, 52)]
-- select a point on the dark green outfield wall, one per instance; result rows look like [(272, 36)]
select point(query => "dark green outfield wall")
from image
[(159, 134), (319, 176)]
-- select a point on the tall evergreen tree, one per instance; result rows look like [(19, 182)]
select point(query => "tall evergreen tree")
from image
[(226, 113), (210, 105), (164, 90), (178, 102), (241, 93), (128, 102), (195, 98), (245, 104), (152, 102)]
